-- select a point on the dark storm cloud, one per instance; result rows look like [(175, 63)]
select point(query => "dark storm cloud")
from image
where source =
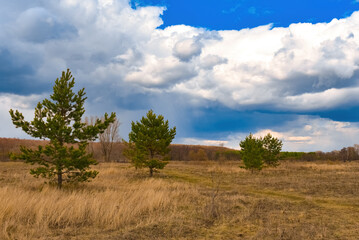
[(221, 120), (17, 76), (298, 83)]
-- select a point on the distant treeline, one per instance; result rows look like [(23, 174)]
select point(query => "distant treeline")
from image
[(180, 152), (345, 154)]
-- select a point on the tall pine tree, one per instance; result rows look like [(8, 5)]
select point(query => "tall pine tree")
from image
[(58, 119)]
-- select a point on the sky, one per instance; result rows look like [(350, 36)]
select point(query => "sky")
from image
[(217, 70)]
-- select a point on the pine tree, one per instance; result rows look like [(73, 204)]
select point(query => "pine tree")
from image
[(252, 153), (58, 119), (149, 142), (272, 148)]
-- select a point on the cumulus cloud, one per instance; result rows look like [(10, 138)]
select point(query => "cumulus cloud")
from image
[(209, 61), (268, 65), (323, 100), (83, 36), (38, 25), (161, 72), (187, 49)]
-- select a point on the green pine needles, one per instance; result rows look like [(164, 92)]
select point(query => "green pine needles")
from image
[(149, 142), (252, 153), (272, 148), (59, 119), (259, 152)]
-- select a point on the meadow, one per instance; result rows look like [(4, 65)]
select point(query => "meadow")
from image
[(186, 200)]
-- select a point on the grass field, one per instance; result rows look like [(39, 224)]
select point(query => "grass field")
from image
[(187, 200)]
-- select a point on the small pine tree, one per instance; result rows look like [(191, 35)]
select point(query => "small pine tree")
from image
[(59, 120), (272, 148), (252, 153), (149, 142)]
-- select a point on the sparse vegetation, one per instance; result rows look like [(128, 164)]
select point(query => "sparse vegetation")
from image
[(296, 200)]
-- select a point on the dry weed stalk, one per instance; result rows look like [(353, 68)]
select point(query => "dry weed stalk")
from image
[(212, 209)]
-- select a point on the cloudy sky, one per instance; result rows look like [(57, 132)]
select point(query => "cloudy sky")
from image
[(217, 70)]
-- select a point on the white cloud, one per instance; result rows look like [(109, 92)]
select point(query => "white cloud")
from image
[(187, 49), (264, 132), (209, 61), (204, 142), (322, 100), (24, 104), (158, 72)]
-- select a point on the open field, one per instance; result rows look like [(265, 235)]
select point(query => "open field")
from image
[(187, 200)]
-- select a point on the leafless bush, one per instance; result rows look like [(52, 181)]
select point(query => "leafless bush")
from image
[(108, 138)]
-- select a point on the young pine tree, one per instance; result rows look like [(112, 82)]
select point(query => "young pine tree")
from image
[(272, 148), (59, 120), (149, 142), (252, 153)]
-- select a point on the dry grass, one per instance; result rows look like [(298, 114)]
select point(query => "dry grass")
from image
[(187, 200)]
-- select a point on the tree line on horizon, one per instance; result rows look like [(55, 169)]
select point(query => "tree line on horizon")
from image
[(182, 152)]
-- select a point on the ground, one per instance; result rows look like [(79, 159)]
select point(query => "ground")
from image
[(186, 200)]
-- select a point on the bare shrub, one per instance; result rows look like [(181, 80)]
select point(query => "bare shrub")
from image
[(108, 138)]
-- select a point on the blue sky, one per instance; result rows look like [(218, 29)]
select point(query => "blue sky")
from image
[(238, 14), (217, 70)]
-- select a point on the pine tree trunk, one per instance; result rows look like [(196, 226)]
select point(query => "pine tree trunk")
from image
[(59, 180), (151, 169)]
